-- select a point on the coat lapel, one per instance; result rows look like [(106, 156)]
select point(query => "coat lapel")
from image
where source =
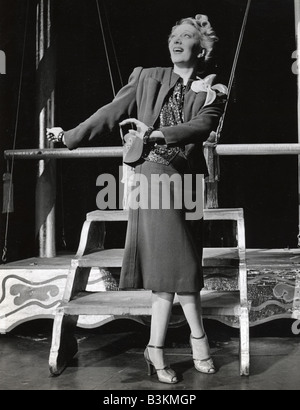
[(168, 81), (192, 99), (165, 83)]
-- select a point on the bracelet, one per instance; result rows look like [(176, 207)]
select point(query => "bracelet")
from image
[(60, 136), (147, 135)]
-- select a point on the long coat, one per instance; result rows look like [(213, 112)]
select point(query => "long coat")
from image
[(163, 252), (143, 98)]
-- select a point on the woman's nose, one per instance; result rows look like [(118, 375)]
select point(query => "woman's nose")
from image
[(177, 40)]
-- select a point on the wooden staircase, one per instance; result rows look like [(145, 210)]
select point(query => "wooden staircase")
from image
[(227, 263)]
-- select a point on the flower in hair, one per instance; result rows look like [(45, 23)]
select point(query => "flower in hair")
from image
[(203, 20), (205, 85)]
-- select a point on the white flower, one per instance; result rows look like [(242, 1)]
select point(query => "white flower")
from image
[(205, 85)]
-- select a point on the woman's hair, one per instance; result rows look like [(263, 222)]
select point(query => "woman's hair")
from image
[(208, 36)]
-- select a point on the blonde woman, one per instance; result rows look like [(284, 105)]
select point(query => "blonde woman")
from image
[(173, 111)]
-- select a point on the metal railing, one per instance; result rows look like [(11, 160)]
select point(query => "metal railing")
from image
[(117, 152), (47, 242)]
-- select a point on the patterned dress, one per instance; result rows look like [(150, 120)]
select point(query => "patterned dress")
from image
[(163, 250)]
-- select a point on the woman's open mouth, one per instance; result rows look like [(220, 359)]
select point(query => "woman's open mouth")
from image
[(178, 50)]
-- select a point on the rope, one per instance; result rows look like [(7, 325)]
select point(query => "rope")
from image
[(64, 240), (5, 248), (106, 49), (234, 67), (113, 46)]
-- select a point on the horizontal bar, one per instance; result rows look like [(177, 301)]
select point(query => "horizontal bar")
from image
[(258, 149), (117, 152), (63, 153)]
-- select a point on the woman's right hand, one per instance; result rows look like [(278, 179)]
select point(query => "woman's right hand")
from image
[(55, 134)]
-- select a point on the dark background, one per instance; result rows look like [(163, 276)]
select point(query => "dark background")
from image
[(263, 107)]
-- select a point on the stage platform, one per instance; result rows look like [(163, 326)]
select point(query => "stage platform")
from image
[(32, 289)]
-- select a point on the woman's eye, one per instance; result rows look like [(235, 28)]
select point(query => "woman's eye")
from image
[(187, 36)]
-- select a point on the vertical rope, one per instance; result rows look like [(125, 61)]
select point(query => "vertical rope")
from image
[(214, 178), (64, 238), (5, 248), (234, 67), (113, 46), (106, 49)]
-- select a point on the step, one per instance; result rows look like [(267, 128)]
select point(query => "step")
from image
[(138, 303), (113, 258), (119, 303), (231, 214)]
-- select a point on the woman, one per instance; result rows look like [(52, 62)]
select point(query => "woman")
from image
[(173, 112)]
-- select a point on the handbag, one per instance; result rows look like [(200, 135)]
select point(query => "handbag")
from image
[(133, 150)]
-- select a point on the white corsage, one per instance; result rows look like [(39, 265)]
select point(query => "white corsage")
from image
[(205, 85)]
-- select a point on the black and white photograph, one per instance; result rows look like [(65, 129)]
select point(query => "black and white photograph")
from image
[(150, 198)]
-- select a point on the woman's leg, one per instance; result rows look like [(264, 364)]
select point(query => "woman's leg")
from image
[(191, 305), (162, 304)]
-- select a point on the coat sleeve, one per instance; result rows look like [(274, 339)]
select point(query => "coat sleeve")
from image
[(107, 117), (198, 129)]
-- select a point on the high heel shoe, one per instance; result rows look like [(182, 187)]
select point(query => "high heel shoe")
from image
[(166, 375), (201, 355)]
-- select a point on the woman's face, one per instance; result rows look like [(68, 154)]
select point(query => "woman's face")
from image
[(184, 46)]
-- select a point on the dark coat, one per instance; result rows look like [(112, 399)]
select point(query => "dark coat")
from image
[(143, 98)]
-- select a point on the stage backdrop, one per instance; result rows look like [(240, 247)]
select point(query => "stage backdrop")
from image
[(263, 108)]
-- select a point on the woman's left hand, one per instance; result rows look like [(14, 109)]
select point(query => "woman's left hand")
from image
[(141, 128)]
